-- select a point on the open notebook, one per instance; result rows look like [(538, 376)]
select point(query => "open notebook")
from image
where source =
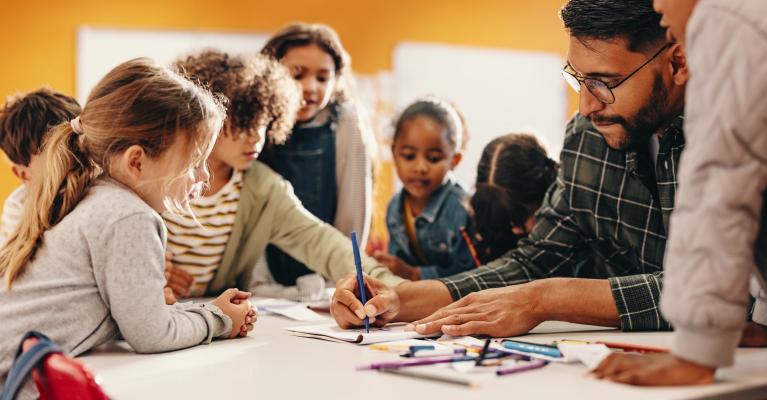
[(332, 332)]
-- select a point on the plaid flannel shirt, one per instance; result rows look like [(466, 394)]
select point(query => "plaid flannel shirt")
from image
[(606, 216)]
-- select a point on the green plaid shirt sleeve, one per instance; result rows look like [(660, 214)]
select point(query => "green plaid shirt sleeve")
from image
[(605, 217), (549, 250), (638, 298)]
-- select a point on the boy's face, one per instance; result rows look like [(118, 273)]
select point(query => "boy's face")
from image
[(643, 103), (675, 13), (315, 70), (238, 149), (26, 173), (423, 156)]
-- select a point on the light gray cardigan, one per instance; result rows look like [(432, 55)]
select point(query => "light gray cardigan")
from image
[(100, 273), (718, 231)]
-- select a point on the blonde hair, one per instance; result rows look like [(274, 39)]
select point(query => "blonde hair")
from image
[(137, 103)]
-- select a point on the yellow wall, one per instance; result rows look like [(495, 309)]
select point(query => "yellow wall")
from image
[(39, 36)]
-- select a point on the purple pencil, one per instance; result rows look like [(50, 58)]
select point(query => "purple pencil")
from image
[(415, 362), (521, 368)]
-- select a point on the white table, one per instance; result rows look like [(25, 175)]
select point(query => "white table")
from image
[(270, 364)]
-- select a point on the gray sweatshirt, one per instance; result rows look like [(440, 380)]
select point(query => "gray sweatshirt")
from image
[(718, 234), (99, 273)]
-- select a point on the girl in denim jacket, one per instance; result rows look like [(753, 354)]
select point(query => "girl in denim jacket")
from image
[(424, 219)]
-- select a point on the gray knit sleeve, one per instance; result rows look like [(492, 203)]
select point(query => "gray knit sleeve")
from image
[(128, 263)]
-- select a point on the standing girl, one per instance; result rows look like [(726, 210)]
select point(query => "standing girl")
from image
[(327, 158), (90, 247)]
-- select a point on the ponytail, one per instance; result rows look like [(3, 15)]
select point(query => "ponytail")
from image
[(69, 173), (513, 176), (494, 213)]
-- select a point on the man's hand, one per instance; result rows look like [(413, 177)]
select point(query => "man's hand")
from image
[(653, 370), (501, 312), (348, 311), (398, 267)]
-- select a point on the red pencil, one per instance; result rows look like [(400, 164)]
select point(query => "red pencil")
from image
[(472, 250), (637, 348)]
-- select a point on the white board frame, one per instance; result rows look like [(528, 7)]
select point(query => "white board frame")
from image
[(101, 49)]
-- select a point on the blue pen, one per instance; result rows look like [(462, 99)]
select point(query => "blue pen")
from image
[(532, 348), (360, 280)]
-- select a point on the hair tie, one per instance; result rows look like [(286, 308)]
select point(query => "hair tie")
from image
[(77, 127)]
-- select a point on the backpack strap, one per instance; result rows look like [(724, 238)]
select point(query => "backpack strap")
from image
[(25, 361)]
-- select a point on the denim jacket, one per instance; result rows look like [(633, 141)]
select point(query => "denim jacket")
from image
[(437, 231)]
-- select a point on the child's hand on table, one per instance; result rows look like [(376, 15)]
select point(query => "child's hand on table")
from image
[(234, 303)]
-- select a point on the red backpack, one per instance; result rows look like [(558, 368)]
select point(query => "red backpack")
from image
[(56, 375)]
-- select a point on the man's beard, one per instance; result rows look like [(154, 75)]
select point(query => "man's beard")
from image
[(647, 120)]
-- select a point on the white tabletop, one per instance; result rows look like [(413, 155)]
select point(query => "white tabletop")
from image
[(270, 364)]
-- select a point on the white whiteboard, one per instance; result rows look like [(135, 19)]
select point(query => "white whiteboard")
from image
[(498, 91), (101, 49)]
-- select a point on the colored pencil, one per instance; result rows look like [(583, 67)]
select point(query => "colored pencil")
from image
[(431, 377), (472, 249), (360, 279), (521, 368)]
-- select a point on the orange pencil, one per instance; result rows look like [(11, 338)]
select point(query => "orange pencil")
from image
[(472, 250), (630, 347)]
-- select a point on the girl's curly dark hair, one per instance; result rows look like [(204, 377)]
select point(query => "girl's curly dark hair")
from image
[(259, 90)]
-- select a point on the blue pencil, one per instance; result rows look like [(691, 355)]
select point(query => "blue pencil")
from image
[(535, 348), (360, 280)]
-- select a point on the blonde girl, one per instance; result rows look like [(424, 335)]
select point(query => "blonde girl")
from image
[(86, 263)]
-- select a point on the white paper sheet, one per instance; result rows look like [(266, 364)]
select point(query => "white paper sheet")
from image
[(332, 332), (590, 355), (290, 309)]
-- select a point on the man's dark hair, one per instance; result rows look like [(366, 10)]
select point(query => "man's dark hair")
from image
[(634, 20)]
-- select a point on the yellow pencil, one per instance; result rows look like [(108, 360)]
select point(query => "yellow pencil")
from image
[(384, 347)]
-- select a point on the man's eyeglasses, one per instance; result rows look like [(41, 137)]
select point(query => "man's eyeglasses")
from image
[(600, 89)]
